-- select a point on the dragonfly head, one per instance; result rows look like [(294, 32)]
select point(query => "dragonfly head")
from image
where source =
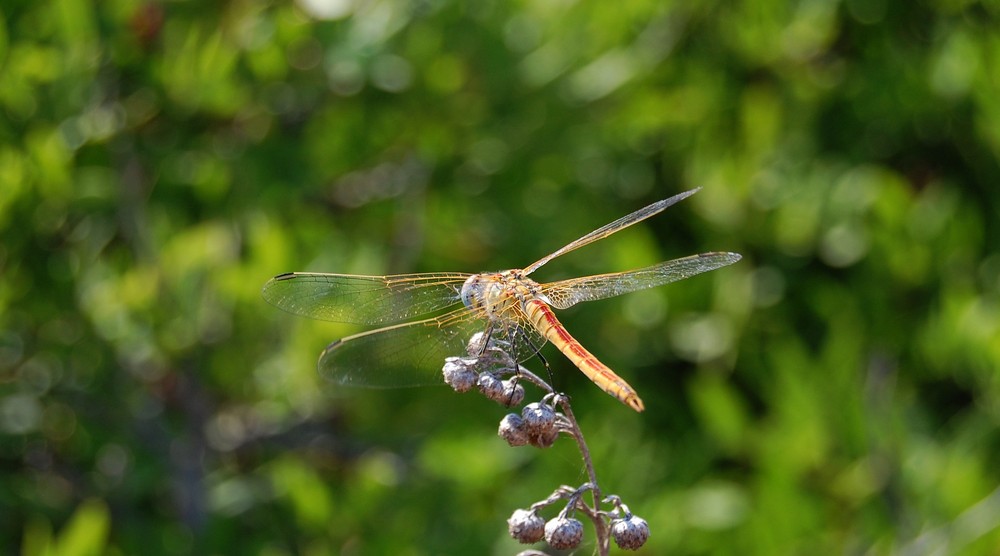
[(473, 291)]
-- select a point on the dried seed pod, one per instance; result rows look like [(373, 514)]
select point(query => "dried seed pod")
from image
[(526, 527), (491, 386), (513, 393), (544, 439), (458, 374), (538, 418), (512, 430), (477, 344), (563, 533), (630, 532)]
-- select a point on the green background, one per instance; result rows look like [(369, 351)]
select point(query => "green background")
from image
[(836, 391)]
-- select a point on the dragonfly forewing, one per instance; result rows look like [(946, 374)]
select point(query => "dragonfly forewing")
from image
[(371, 300), (567, 293), (608, 229)]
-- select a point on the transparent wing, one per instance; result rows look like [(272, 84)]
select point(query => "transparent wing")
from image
[(369, 300), (412, 354), (567, 293), (606, 230)]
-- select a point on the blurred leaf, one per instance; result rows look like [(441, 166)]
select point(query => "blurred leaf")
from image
[(37, 539), (86, 533), (720, 410), (305, 492)]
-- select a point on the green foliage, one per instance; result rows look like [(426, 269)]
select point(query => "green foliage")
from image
[(84, 535), (836, 391)]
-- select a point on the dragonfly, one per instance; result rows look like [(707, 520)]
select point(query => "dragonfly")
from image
[(426, 318)]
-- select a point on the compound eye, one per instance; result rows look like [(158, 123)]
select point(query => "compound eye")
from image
[(472, 292)]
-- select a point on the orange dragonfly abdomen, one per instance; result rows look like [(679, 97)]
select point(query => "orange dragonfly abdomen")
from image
[(545, 321)]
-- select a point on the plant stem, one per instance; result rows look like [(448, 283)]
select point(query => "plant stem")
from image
[(601, 528), (603, 539)]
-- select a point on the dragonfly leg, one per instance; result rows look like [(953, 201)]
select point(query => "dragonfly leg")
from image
[(516, 371), (512, 390), (545, 363), (537, 350), (479, 343), (487, 337)]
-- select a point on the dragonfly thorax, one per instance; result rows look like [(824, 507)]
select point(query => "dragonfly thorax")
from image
[(494, 293)]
